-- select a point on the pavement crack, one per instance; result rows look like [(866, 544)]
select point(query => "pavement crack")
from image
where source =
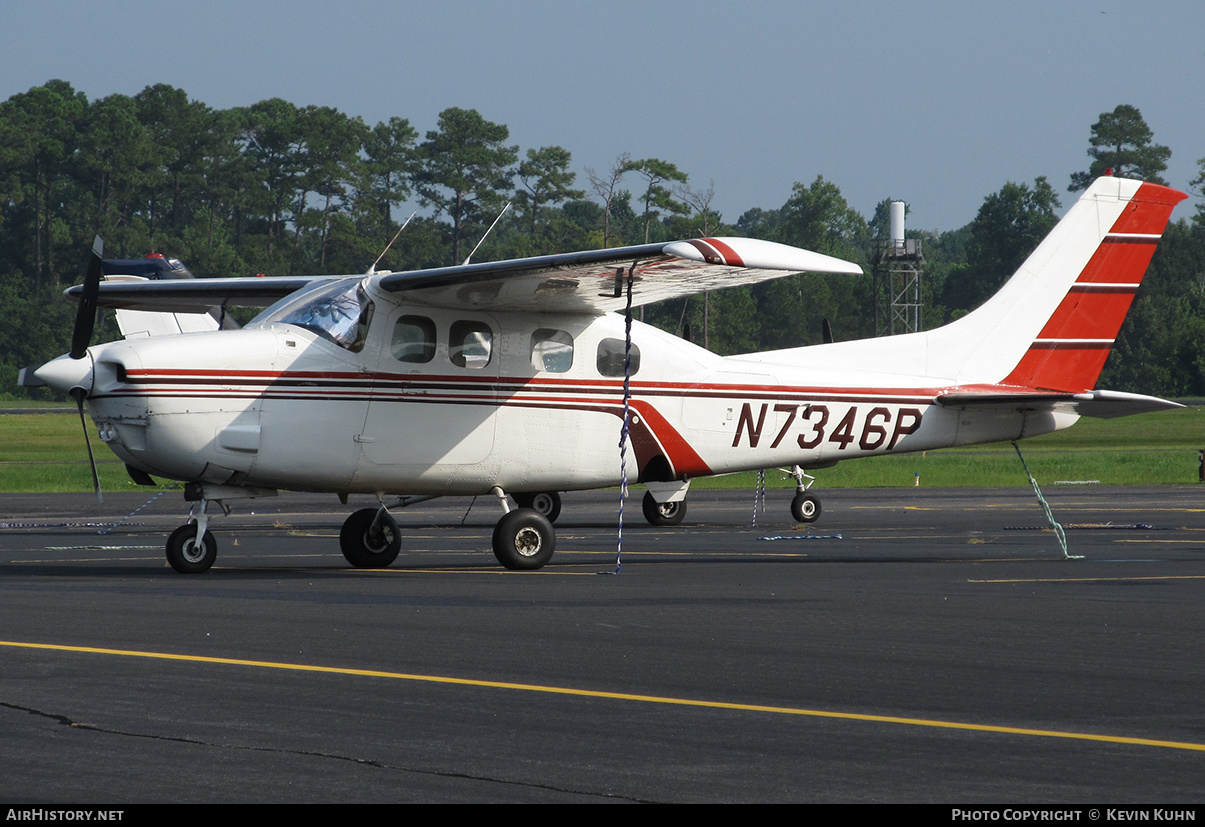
[(66, 721)]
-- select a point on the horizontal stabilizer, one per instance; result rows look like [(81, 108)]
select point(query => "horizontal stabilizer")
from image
[(1099, 404)]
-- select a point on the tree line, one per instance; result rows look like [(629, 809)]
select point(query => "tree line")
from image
[(279, 189)]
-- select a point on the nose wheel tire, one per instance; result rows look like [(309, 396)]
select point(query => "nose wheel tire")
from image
[(369, 546), (524, 540), (186, 555), (547, 503), (662, 514), (805, 508)]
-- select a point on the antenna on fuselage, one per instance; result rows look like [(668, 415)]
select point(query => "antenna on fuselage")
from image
[(487, 234), (373, 269)]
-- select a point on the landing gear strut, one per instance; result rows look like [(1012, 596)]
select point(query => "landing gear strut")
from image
[(191, 549)]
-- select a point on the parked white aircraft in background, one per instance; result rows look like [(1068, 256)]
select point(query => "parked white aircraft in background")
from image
[(509, 378)]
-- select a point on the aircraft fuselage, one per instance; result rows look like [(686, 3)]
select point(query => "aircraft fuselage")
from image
[(522, 401)]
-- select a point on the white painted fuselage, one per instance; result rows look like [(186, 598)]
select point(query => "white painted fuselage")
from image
[(281, 407)]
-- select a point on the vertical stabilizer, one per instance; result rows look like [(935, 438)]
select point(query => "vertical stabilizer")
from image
[(1052, 324), (1070, 350)]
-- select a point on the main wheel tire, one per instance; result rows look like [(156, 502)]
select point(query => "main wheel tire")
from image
[(366, 548), (524, 540), (547, 503), (805, 508), (662, 514), (186, 555)]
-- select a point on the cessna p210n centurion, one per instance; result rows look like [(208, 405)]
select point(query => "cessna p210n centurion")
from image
[(510, 377)]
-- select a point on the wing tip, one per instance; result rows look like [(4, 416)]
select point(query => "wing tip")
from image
[(755, 253)]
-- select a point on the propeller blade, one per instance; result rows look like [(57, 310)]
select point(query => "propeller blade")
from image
[(78, 395), (85, 317)]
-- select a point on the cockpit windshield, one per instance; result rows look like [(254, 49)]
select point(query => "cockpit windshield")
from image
[(339, 311)]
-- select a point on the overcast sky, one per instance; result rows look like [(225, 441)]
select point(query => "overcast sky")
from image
[(936, 103)]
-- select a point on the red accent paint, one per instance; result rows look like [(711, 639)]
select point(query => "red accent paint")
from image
[(683, 459), (727, 252), (1083, 315), (1118, 261), (1066, 363), (1051, 369), (1149, 210), (513, 385), (710, 254)]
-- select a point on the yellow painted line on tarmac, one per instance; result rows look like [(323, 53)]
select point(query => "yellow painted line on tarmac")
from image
[(1096, 579), (616, 696), (1160, 542), (58, 560)]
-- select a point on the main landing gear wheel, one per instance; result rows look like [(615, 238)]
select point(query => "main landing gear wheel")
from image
[(547, 503), (367, 546), (662, 514), (805, 508), (186, 555), (524, 540)]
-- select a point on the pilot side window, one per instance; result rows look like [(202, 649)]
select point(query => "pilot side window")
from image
[(611, 358), (469, 344), (551, 350), (413, 339)]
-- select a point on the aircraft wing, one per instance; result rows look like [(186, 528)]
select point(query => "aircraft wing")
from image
[(1099, 404), (197, 295), (584, 282), (595, 282)]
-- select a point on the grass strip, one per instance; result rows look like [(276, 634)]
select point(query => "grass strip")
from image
[(44, 453)]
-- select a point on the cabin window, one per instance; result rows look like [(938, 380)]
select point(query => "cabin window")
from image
[(551, 350), (611, 358), (413, 339), (339, 311), (469, 344)]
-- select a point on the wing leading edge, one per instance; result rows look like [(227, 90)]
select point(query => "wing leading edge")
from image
[(590, 282)]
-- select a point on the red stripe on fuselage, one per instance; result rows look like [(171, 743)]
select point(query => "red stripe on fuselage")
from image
[(682, 458), (506, 386)]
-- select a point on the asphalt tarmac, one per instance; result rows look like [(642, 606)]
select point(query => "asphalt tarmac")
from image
[(914, 645)]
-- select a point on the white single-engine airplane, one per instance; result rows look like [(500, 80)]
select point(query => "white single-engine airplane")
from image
[(509, 378)]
